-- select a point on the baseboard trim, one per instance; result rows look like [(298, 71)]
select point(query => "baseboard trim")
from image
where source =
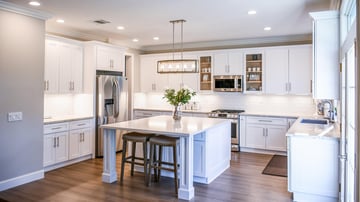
[(20, 180)]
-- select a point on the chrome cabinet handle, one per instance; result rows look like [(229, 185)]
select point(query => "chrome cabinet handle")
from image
[(57, 141), (81, 124), (54, 142), (268, 121), (289, 87), (55, 128)]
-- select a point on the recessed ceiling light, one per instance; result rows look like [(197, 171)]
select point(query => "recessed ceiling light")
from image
[(251, 12), (120, 28), (60, 21), (135, 40), (267, 28), (34, 3), (156, 38)]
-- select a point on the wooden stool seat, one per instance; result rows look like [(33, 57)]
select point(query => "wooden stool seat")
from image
[(134, 138), (163, 141)]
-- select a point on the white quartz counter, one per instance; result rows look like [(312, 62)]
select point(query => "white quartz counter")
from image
[(332, 130), (58, 119), (167, 125)]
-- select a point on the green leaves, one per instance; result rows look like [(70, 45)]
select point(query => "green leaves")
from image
[(178, 98)]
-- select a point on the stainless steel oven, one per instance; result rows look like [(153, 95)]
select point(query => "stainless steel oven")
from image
[(234, 115)]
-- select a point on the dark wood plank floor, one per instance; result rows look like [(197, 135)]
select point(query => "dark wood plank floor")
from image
[(243, 181)]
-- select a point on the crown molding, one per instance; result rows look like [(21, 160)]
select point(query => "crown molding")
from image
[(24, 11), (233, 44)]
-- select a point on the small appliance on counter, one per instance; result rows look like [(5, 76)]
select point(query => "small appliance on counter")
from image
[(234, 115), (111, 105)]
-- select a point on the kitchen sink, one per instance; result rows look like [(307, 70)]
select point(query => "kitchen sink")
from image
[(315, 121)]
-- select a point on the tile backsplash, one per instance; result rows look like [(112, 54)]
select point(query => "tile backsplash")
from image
[(253, 103), (68, 104)]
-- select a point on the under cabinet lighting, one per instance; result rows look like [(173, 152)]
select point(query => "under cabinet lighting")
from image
[(120, 28), (135, 40), (156, 38), (177, 66)]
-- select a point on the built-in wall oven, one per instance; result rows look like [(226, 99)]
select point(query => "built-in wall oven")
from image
[(234, 115)]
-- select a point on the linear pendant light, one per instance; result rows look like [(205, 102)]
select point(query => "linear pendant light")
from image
[(177, 65)]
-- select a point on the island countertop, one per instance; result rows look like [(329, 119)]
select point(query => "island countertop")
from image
[(167, 125)]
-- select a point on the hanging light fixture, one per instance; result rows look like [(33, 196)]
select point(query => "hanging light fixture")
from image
[(177, 65)]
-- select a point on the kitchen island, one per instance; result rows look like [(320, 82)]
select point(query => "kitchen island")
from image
[(214, 132)]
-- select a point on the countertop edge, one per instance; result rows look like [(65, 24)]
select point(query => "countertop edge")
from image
[(65, 119)]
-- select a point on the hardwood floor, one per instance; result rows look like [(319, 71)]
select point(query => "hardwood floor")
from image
[(243, 181)]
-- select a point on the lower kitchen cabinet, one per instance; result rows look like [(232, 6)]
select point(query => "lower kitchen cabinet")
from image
[(266, 133), (79, 143), (55, 148), (67, 142)]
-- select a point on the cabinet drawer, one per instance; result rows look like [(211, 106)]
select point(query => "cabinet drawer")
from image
[(266, 120), (79, 124), (57, 127), (147, 113)]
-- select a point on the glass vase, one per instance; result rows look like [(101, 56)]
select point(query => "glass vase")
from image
[(177, 113)]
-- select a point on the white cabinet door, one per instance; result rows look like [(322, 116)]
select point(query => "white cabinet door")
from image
[(276, 137), (85, 146), (229, 63), (61, 153), (51, 80), (276, 67), (199, 158), (255, 136), (49, 150), (108, 58), (300, 70), (326, 55), (74, 144), (150, 80), (236, 63), (220, 64), (70, 68), (191, 80)]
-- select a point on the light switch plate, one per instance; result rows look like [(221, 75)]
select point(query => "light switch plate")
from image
[(15, 116)]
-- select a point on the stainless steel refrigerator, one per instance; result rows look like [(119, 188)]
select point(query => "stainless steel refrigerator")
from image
[(111, 105)]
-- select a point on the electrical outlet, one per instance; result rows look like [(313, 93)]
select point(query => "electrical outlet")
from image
[(14, 116)]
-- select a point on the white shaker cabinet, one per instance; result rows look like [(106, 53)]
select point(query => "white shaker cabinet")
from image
[(109, 58), (71, 68), (150, 80), (326, 71), (288, 70), (63, 66), (79, 139), (265, 133), (51, 71), (228, 63)]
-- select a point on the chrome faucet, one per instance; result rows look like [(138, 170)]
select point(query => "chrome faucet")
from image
[(330, 113)]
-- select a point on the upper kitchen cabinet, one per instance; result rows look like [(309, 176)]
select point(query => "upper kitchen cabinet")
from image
[(326, 62), (109, 58), (253, 71), (63, 66), (228, 63), (150, 80), (288, 70)]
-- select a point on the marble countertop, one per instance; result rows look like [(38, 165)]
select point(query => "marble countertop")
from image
[(331, 130), (167, 125), (58, 119)]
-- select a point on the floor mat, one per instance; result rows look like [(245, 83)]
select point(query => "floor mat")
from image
[(276, 166)]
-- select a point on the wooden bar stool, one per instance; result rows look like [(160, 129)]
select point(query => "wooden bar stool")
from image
[(162, 141), (134, 138)]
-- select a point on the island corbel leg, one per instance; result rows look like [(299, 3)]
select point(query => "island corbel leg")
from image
[(109, 174), (186, 189)]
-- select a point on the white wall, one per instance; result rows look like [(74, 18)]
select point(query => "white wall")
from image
[(22, 40)]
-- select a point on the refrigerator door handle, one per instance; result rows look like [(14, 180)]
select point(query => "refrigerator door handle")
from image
[(116, 96)]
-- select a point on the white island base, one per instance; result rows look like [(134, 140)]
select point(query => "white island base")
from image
[(205, 147)]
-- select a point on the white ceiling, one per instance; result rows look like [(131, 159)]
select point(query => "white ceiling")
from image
[(207, 20)]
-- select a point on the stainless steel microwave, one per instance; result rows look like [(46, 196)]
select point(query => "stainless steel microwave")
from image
[(228, 83)]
